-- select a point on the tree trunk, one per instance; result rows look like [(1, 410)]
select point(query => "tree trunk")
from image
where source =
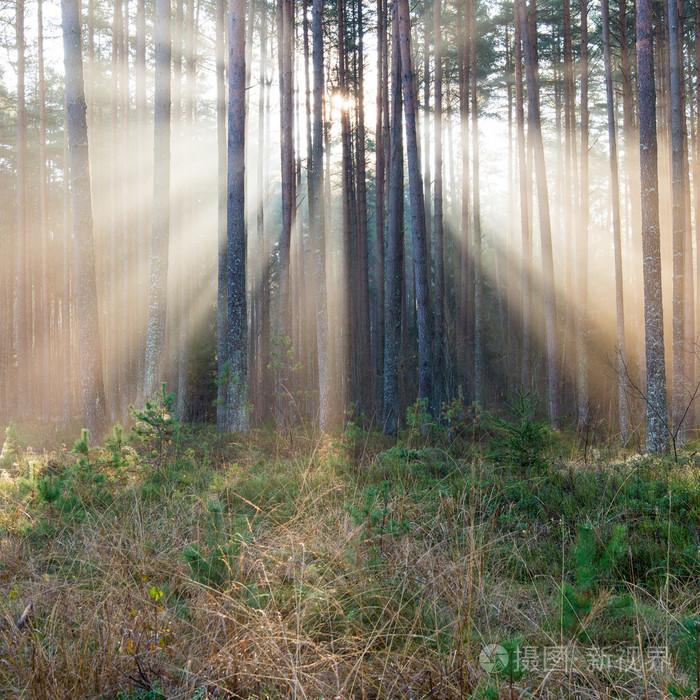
[(393, 277), (535, 131), (22, 323), (656, 399), (365, 345), (680, 387), (420, 262), (237, 327), (438, 224), (380, 211), (285, 20), (222, 290), (92, 387), (160, 228), (582, 247), (327, 414), (623, 405), (526, 245), (476, 211)]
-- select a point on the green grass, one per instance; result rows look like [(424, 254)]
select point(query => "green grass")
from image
[(282, 566)]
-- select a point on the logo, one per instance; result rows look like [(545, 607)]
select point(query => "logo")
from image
[(493, 658)]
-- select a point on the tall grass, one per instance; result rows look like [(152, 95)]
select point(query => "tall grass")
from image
[(299, 567)]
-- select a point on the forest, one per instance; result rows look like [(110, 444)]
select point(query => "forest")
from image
[(286, 214), (350, 349)]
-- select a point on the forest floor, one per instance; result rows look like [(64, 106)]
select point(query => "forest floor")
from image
[(479, 558)]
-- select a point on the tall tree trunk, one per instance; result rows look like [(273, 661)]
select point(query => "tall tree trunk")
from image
[(222, 230), (327, 404), (476, 211), (349, 257), (438, 224), (142, 244), (380, 212), (22, 303), (366, 384), (45, 334), (285, 20), (656, 399), (582, 247), (680, 387), (420, 262), (526, 245), (393, 277), (465, 314), (535, 132), (160, 227), (92, 387), (623, 405), (237, 327)]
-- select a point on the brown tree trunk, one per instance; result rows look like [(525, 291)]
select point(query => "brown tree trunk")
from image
[(92, 387), (420, 262), (656, 399), (543, 210)]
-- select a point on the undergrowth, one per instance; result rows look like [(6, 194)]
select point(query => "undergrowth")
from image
[(171, 562)]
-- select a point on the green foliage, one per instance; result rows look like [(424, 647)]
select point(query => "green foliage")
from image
[(522, 439), (153, 693), (11, 447), (595, 566), (355, 435), (215, 563), (82, 446), (376, 514), (156, 429), (418, 421)]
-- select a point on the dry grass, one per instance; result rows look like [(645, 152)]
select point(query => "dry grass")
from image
[(336, 580)]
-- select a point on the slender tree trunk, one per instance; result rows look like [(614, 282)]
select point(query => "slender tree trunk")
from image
[(380, 211), (222, 399), (393, 277), (237, 327), (438, 224), (465, 315), (656, 399), (366, 384), (680, 388), (22, 323), (160, 228), (142, 245), (349, 257), (582, 247), (535, 132), (420, 262), (526, 245), (623, 405), (285, 20), (327, 414), (92, 387), (476, 211), (45, 334)]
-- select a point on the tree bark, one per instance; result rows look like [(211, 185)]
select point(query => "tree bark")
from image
[(680, 388), (656, 399), (476, 211), (438, 223), (393, 277), (92, 386), (526, 244), (22, 322), (160, 228), (535, 131), (623, 405), (237, 327), (420, 262)]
